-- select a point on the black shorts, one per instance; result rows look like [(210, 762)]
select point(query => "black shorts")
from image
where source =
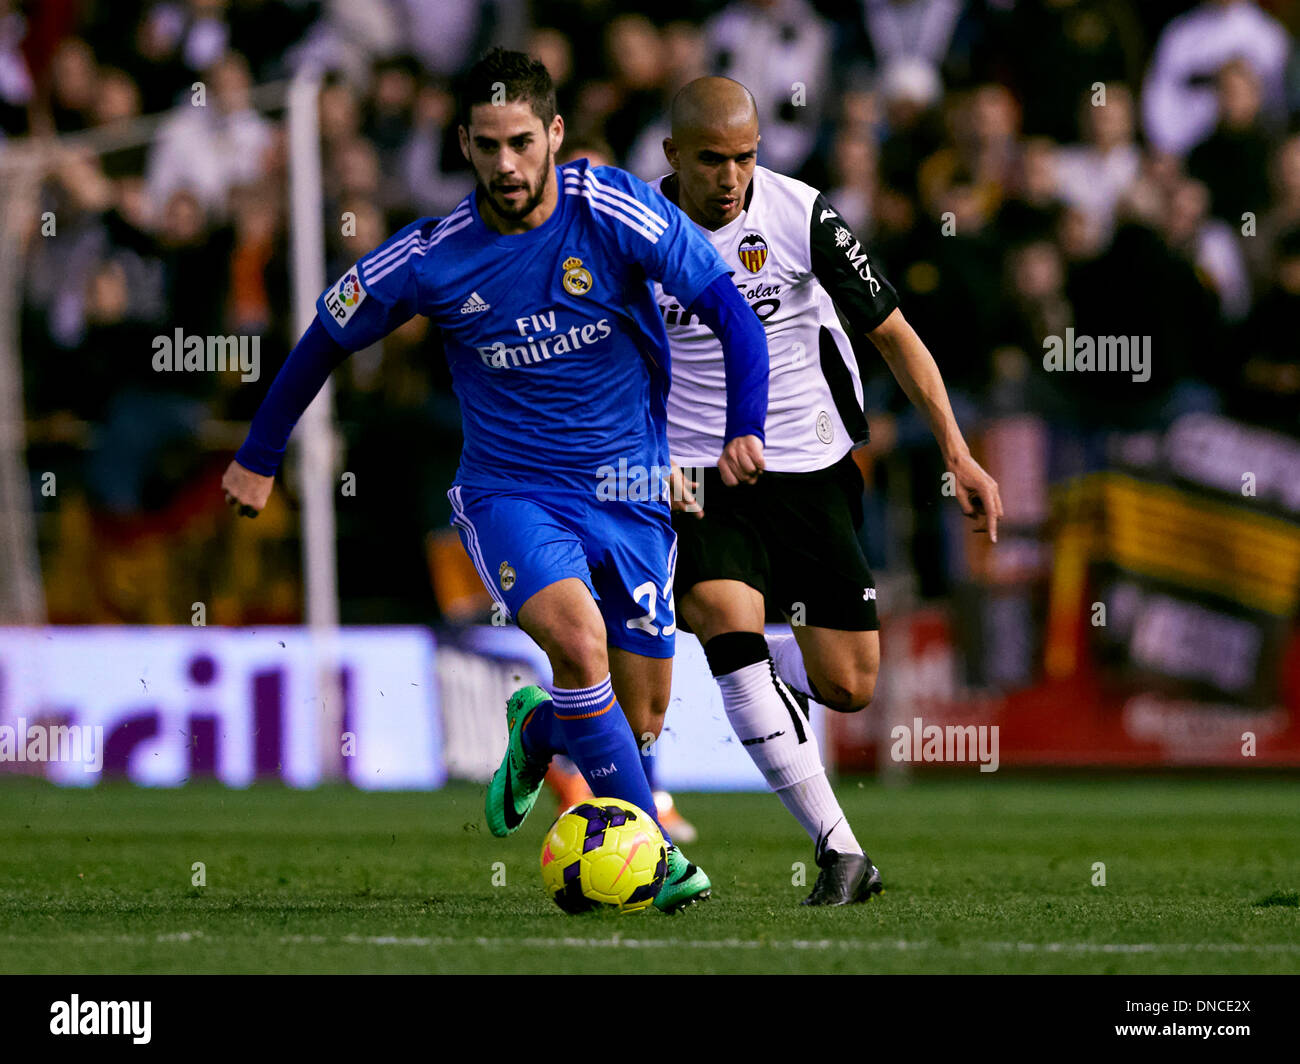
[(792, 537)]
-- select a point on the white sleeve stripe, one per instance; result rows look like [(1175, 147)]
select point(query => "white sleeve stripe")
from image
[(443, 231), (631, 223), (394, 250), (651, 214), (413, 250), (389, 253), (647, 217), (411, 253)]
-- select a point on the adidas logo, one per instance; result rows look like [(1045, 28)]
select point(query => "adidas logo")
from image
[(474, 304)]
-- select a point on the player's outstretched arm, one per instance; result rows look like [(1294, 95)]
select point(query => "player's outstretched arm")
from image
[(915, 370), (370, 300), (745, 360), (249, 478)]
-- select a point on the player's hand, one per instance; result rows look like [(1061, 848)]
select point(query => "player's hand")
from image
[(246, 491), (681, 493), (977, 492), (741, 460)]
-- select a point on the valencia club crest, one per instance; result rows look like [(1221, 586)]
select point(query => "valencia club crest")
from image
[(753, 252)]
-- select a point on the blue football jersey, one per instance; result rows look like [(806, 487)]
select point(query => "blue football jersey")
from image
[(557, 351)]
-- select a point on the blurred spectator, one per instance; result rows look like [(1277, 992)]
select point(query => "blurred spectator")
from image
[(1137, 285), (256, 289), (1057, 50), (985, 151), (349, 36), (196, 273), (432, 167), (1211, 245), (1266, 387), (17, 89), (340, 114), (1282, 216), (370, 231), (72, 86), (1179, 103), (447, 36), (1033, 209), (1038, 306), (195, 31), (213, 147), (918, 30), (781, 51), (555, 50), (352, 176), (634, 51), (1094, 175), (59, 273), (854, 178), (911, 90), (390, 104), (1233, 160), (683, 57), (597, 152), (117, 97)]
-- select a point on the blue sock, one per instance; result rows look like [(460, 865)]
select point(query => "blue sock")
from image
[(649, 758), (541, 735), (598, 739)]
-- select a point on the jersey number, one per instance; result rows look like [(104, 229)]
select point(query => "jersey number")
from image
[(646, 622)]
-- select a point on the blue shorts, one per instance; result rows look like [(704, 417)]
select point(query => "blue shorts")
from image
[(624, 551)]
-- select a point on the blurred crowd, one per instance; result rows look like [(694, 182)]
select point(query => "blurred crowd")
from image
[(1018, 167)]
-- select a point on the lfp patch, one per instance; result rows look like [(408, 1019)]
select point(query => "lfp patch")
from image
[(343, 299)]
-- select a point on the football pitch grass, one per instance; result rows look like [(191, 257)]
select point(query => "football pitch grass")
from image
[(982, 874)]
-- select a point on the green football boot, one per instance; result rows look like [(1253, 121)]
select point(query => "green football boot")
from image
[(518, 780), (684, 885)]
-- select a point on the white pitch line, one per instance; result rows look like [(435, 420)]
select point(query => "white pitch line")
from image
[(618, 941), (896, 945)]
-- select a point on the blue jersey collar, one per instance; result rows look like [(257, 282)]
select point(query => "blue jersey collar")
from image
[(520, 238)]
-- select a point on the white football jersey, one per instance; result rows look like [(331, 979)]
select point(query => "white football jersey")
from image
[(795, 262)]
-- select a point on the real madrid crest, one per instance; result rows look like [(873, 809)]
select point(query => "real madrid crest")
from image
[(577, 278), (753, 252), (506, 576)]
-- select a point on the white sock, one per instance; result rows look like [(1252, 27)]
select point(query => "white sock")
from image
[(813, 804), (788, 659), (781, 742)]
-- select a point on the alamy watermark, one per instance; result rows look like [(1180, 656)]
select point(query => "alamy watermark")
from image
[(629, 481), (957, 743), (77, 1017), (53, 742), (208, 354), (1101, 354)]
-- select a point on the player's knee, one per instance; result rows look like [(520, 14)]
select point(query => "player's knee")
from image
[(647, 722), (847, 691), (577, 651), (656, 708)]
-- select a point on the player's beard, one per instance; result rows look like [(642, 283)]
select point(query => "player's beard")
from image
[(515, 214)]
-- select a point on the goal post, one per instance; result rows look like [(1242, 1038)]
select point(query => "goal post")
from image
[(315, 444)]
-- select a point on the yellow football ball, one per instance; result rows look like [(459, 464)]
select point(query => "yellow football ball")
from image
[(604, 853)]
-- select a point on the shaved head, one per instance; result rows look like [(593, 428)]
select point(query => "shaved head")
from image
[(713, 149), (711, 105)]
